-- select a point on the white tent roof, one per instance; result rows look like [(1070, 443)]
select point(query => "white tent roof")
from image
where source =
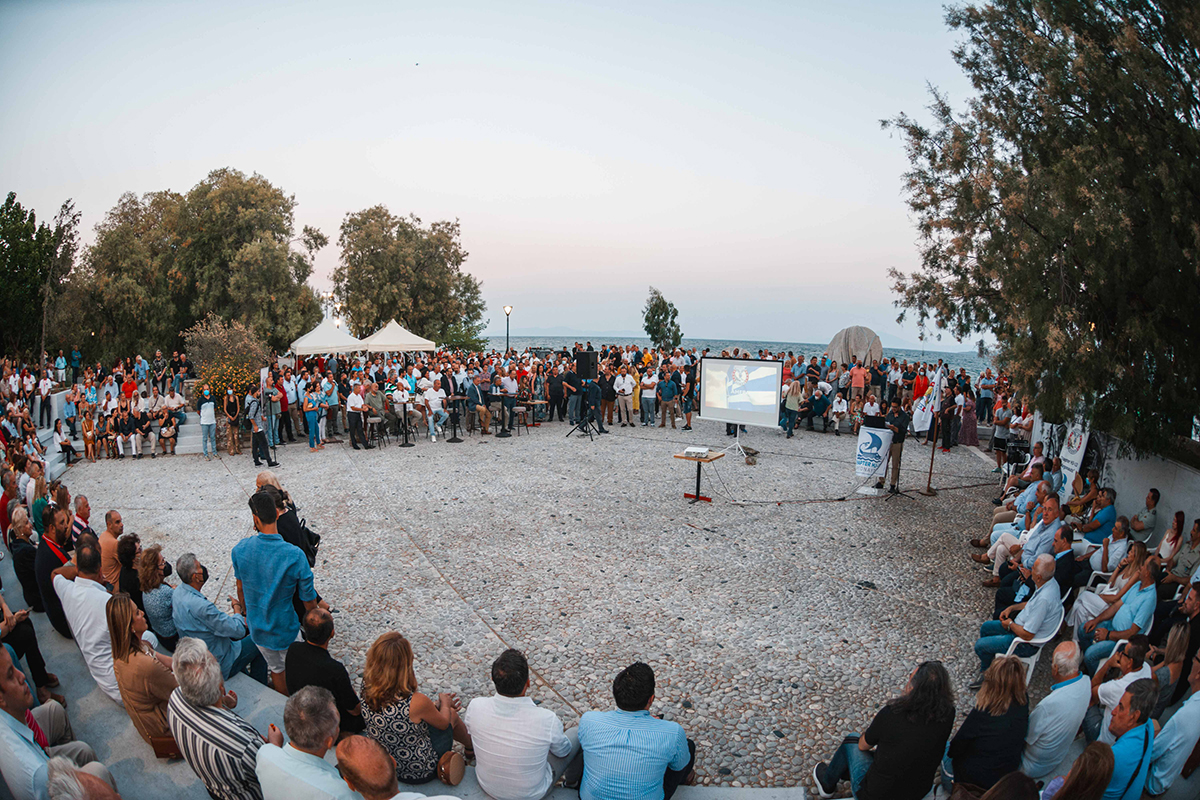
[(392, 338), (326, 338)]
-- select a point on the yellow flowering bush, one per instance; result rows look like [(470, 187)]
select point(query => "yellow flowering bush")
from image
[(227, 355)]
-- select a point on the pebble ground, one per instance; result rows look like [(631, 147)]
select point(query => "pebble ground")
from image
[(775, 625)]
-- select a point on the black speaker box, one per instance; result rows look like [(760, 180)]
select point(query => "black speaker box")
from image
[(586, 364)]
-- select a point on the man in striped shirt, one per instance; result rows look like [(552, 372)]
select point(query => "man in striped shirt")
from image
[(220, 746), (627, 753)]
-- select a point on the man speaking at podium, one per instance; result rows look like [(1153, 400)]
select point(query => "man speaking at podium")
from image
[(897, 420)]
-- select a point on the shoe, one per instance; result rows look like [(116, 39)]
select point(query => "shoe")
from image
[(893, 490), (991, 583), (836, 432), (980, 558), (976, 684), (138, 456), (272, 463), (789, 435), (291, 441), (152, 455), (356, 447), (433, 438), (369, 446), (996, 471), (258, 463), (819, 779), (983, 544), (687, 427)]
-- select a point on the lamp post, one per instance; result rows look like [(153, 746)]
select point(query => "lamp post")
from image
[(507, 316)]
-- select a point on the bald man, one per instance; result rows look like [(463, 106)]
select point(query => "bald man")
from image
[(371, 771)]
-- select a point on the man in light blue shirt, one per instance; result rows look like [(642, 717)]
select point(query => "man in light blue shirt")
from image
[(269, 572), (1177, 740), (1055, 721), (1133, 730), (23, 760), (227, 637), (628, 754), (298, 770), (1036, 618), (1130, 615)]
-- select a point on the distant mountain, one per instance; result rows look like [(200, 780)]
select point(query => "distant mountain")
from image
[(561, 330)]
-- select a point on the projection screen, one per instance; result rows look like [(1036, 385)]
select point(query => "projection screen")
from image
[(745, 391)]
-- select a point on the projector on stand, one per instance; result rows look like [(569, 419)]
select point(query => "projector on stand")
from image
[(696, 452)]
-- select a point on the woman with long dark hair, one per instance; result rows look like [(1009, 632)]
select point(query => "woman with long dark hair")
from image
[(898, 754)]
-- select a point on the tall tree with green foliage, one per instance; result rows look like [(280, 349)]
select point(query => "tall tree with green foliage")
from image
[(396, 268), (658, 320), (1061, 209), (26, 250), (164, 261), (60, 264)]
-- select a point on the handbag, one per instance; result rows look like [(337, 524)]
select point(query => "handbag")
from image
[(165, 747), (966, 791), (450, 768)]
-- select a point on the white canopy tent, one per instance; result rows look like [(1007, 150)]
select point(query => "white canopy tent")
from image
[(326, 338), (391, 338)]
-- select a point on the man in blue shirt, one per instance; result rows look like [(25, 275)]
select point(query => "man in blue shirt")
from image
[(227, 636), (269, 572), (1096, 529), (627, 753), (1134, 733), (1176, 741), (1130, 615), (1036, 618)]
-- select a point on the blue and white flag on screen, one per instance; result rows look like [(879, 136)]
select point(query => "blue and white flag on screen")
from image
[(928, 404), (750, 389)]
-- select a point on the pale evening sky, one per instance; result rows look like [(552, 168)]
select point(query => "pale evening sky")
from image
[(729, 154)]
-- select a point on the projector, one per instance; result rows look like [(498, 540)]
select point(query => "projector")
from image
[(696, 452)]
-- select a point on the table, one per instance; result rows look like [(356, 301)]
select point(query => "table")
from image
[(700, 462), (531, 411)]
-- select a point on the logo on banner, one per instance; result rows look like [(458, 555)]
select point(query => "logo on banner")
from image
[(872, 451)]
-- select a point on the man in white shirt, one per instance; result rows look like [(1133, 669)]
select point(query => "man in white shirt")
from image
[(1055, 721), (625, 387), (520, 749), (84, 601), (871, 408), (838, 412), (298, 770), (434, 399), (509, 387), (1130, 661), (354, 409)]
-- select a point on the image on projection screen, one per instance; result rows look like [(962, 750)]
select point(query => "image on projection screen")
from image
[(740, 390)]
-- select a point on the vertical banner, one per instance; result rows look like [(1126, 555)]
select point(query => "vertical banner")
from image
[(1072, 451), (871, 454)]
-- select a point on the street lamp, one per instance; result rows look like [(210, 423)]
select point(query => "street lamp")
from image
[(507, 316)]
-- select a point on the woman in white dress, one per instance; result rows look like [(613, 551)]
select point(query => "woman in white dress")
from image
[(1089, 604)]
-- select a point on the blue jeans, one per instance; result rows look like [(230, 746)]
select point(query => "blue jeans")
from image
[(177, 383), (272, 430), (849, 763), (1095, 653), (573, 408), (647, 410), (994, 640), (438, 417), (208, 433), (249, 660), (311, 417)]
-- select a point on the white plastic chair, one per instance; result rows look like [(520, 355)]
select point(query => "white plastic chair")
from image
[(1030, 662), (1099, 579)]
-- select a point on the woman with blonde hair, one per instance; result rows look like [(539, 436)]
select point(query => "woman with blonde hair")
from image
[(419, 733), (144, 677), (989, 744), (1089, 604), (1168, 665)]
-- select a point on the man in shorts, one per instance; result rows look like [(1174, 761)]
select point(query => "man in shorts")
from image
[(269, 572)]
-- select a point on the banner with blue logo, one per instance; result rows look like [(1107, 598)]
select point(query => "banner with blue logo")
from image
[(870, 457)]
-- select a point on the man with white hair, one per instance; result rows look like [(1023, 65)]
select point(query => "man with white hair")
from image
[(299, 769), (65, 782), (1036, 618), (219, 746), (371, 771), (1055, 721)]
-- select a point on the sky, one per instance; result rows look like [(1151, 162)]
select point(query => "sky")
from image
[(729, 154)]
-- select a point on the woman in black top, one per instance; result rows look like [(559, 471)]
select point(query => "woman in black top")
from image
[(988, 745), (129, 552), (896, 757), (232, 410)]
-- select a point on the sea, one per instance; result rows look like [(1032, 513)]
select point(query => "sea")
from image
[(968, 359)]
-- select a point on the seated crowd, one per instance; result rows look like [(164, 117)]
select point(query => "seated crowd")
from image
[(1123, 604), (158, 647)]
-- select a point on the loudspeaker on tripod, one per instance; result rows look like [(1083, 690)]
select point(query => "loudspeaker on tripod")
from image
[(586, 364)]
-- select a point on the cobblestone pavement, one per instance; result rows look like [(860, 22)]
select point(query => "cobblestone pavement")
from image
[(774, 628)]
